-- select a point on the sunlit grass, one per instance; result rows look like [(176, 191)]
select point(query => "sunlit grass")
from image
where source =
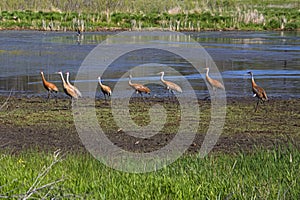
[(262, 174)]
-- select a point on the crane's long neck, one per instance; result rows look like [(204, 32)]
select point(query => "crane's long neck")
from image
[(129, 82), (62, 78), (99, 80), (43, 78), (68, 78), (162, 77), (207, 76), (252, 80)]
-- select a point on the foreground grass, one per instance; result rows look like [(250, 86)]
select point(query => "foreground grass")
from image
[(261, 174), (269, 171)]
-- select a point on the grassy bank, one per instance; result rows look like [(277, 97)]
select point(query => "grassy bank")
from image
[(262, 174), (257, 156), (35, 123), (166, 15)]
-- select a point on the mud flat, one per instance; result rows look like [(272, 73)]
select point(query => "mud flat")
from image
[(34, 123)]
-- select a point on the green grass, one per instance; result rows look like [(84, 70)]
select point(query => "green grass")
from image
[(259, 159), (243, 169), (169, 15), (261, 174)]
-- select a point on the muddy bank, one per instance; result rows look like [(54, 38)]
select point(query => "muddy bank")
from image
[(34, 123)]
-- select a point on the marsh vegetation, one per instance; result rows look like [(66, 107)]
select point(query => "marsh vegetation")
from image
[(165, 15)]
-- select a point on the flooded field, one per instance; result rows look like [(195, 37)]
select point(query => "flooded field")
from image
[(273, 57)]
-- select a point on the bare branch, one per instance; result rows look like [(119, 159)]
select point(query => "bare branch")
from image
[(37, 189), (42, 187), (7, 99), (41, 176)]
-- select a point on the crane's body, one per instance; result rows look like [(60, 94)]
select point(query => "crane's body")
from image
[(72, 86), (139, 88), (67, 89), (104, 88), (50, 87), (215, 84), (258, 92), (170, 85)]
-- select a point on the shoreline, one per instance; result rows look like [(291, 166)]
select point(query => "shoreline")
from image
[(34, 123), (148, 29)]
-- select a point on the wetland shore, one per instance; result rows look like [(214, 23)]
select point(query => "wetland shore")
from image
[(34, 123)]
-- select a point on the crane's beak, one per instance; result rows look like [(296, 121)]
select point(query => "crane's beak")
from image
[(246, 76), (205, 68)]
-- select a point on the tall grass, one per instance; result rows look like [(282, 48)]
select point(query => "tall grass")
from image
[(128, 6), (262, 174), (171, 15)]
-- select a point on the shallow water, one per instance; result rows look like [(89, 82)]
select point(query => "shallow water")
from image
[(273, 57)]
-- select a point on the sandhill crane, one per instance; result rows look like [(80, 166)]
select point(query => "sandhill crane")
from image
[(170, 85), (215, 84), (72, 86), (258, 92), (104, 88), (67, 89), (50, 87), (139, 88)]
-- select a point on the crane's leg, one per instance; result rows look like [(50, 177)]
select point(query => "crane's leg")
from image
[(106, 98), (256, 107), (172, 98), (109, 98), (55, 96), (142, 97), (71, 103), (209, 96), (214, 93), (48, 96), (263, 102)]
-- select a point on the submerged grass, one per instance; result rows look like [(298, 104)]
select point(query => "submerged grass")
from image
[(261, 174)]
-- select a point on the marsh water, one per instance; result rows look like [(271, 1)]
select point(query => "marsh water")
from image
[(273, 57)]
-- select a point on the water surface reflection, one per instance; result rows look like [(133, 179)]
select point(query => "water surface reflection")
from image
[(273, 57)]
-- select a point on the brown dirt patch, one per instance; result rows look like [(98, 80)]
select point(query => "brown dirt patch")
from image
[(50, 127)]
